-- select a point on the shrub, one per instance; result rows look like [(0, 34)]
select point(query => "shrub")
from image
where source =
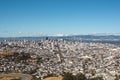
[(80, 76), (68, 76), (97, 78)]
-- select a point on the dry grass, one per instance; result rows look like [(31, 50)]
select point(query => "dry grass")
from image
[(6, 78), (15, 76), (6, 53), (54, 78)]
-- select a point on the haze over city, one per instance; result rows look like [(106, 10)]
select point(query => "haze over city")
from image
[(51, 17)]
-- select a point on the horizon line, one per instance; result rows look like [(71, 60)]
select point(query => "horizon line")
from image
[(98, 34)]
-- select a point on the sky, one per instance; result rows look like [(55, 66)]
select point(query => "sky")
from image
[(58, 17)]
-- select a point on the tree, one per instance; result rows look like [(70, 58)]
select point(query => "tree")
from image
[(117, 77)]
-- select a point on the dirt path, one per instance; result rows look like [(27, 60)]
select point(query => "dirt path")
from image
[(17, 75), (54, 78)]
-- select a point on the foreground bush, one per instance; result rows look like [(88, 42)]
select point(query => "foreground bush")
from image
[(80, 76), (68, 76), (97, 78)]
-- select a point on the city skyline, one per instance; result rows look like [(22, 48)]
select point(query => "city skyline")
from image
[(58, 17)]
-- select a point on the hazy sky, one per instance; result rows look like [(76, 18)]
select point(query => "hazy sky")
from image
[(41, 17)]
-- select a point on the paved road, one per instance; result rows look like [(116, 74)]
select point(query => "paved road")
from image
[(18, 75)]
